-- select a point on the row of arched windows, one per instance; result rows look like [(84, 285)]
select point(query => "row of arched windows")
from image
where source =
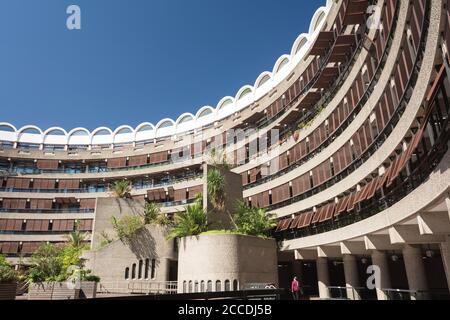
[(141, 271), (202, 286)]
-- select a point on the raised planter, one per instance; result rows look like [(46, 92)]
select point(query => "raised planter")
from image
[(52, 291), (61, 291), (8, 291), (225, 262), (88, 290)]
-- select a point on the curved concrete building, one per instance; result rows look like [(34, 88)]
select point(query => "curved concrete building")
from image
[(346, 140)]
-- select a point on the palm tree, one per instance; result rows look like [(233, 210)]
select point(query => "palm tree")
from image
[(219, 159), (216, 188), (121, 188), (253, 221), (75, 239), (151, 212), (154, 215), (190, 223)]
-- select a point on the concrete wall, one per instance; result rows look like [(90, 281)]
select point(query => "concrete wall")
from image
[(108, 208), (110, 262), (227, 257), (220, 220)]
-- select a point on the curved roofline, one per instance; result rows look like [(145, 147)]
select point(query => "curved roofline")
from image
[(237, 104)]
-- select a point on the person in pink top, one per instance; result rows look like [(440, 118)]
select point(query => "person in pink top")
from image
[(295, 289)]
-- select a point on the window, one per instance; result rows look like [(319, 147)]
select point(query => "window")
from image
[(227, 285), (133, 271), (147, 266), (218, 286), (190, 286), (141, 264), (127, 273), (196, 287), (153, 274), (235, 285), (209, 287), (184, 287), (202, 286)]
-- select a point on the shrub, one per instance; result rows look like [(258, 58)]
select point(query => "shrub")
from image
[(216, 188), (7, 272), (47, 264), (121, 189), (190, 223), (127, 227), (253, 221)]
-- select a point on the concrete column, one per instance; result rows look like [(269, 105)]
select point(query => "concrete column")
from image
[(415, 270), (351, 277), (379, 259), (445, 253), (323, 278)]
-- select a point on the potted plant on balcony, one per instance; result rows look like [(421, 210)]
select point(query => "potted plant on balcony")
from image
[(8, 280)]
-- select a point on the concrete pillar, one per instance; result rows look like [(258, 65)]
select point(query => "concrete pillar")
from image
[(415, 270), (379, 259), (445, 254), (351, 277), (323, 278)]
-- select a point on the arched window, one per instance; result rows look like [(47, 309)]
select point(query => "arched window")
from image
[(209, 286), (133, 271), (218, 286), (141, 265), (227, 285), (202, 286), (235, 285), (127, 273), (190, 286), (153, 274), (147, 267), (196, 287), (184, 287)]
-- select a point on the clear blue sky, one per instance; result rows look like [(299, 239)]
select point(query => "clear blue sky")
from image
[(136, 60)]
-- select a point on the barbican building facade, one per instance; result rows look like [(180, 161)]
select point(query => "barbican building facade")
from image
[(346, 140)]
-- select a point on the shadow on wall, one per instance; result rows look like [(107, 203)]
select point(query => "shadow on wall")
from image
[(144, 245), (131, 206)]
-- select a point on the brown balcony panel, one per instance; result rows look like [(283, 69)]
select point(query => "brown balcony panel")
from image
[(324, 41), (328, 75)]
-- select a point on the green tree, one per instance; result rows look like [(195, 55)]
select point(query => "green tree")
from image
[(253, 221), (216, 188), (46, 264), (190, 223), (121, 188), (7, 272), (127, 227), (154, 215)]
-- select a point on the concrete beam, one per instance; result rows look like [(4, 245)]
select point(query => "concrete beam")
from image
[(306, 254), (379, 243), (329, 252), (353, 248), (411, 235), (433, 223)]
